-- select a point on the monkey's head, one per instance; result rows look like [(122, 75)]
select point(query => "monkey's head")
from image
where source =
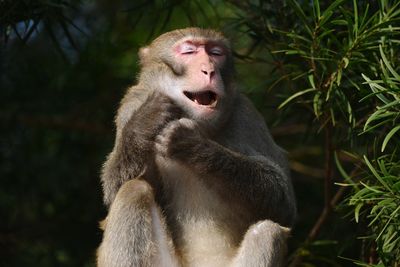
[(195, 68)]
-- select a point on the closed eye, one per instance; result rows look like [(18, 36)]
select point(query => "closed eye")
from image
[(187, 49), (216, 51)]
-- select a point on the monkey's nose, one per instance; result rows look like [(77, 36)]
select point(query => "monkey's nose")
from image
[(208, 70)]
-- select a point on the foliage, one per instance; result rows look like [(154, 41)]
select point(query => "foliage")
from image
[(23, 18), (328, 52), (339, 61), (378, 196)]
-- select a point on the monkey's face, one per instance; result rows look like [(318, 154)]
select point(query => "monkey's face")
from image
[(200, 87), (194, 67)]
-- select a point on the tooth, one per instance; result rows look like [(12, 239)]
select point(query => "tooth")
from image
[(195, 101)]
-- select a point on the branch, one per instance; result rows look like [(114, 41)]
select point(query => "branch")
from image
[(329, 201), (318, 224)]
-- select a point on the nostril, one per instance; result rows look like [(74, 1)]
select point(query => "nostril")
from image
[(211, 73), (208, 73)]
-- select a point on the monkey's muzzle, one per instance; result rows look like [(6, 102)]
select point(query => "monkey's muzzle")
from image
[(204, 98)]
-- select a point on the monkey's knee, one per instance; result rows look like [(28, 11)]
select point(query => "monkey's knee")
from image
[(264, 244), (134, 192), (131, 206), (127, 238), (267, 231)]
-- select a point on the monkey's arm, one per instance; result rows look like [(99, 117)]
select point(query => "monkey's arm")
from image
[(133, 147), (254, 179)]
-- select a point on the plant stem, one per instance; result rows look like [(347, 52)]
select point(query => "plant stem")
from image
[(329, 201)]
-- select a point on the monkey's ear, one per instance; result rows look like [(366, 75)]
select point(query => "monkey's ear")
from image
[(144, 54)]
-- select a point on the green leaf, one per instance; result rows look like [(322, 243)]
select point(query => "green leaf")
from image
[(388, 221), (317, 8), (324, 242), (377, 212), (388, 65), (333, 117), (340, 22), (295, 96), (389, 105), (311, 80), (357, 211), (339, 77), (362, 23), (343, 172), (329, 12), (389, 136), (294, 52), (376, 174), (300, 13), (375, 126), (316, 104), (355, 29), (346, 62), (370, 188), (376, 88), (377, 115), (298, 37)]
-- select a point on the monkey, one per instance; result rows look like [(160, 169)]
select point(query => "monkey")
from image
[(194, 178)]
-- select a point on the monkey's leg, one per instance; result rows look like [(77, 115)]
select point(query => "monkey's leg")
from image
[(264, 245), (134, 231)]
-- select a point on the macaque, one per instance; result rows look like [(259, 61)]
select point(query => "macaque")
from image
[(194, 178)]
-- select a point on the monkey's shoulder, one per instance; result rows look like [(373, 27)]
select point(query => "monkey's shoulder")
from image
[(134, 97)]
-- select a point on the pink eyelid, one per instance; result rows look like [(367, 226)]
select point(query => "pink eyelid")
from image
[(186, 48)]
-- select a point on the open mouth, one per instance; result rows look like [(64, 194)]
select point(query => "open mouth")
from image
[(204, 98)]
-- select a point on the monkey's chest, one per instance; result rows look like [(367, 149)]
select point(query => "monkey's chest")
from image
[(204, 224)]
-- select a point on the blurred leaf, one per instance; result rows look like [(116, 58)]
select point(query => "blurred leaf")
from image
[(389, 136), (291, 98)]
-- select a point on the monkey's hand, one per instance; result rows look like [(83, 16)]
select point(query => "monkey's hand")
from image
[(179, 139), (133, 149), (151, 117)]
